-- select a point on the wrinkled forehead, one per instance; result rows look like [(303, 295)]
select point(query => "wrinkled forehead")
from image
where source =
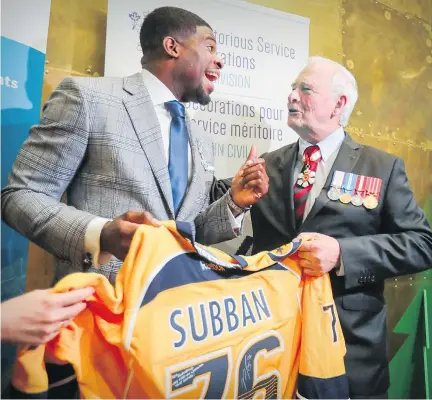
[(317, 76)]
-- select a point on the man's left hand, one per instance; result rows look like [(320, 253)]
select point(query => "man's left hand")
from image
[(320, 254), (251, 182)]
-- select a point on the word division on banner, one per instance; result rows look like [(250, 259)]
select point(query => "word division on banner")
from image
[(263, 51)]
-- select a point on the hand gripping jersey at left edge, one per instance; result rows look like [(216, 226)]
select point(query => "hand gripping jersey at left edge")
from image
[(190, 321)]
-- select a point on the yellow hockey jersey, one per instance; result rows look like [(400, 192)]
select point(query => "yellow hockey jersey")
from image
[(189, 321)]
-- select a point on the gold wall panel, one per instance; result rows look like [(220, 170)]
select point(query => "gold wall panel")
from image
[(76, 41), (76, 46), (391, 58), (420, 8)]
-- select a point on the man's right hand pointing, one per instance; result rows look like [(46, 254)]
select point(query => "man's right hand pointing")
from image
[(251, 182)]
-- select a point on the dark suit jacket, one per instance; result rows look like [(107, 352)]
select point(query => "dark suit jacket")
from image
[(390, 240)]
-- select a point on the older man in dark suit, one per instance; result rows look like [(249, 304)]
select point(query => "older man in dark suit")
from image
[(356, 203)]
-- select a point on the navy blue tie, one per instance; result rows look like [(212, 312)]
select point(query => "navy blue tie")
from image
[(178, 152)]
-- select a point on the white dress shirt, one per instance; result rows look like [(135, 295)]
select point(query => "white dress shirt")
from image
[(159, 95), (329, 148)]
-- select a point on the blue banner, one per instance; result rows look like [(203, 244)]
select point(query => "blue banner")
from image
[(21, 91)]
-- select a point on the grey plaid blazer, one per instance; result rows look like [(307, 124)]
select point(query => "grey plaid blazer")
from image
[(99, 142)]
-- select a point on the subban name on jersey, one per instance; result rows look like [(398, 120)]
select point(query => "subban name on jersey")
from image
[(216, 317)]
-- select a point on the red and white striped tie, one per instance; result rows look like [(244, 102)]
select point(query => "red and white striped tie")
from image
[(305, 180)]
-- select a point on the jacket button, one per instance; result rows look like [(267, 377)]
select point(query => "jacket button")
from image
[(87, 262)]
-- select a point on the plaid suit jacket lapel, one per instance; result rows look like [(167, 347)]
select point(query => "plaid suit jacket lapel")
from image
[(143, 116)]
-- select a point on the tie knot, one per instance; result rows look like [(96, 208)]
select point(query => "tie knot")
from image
[(175, 108), (312, 154)]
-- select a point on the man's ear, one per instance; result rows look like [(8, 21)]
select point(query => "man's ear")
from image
[(340, 105), (171, 47)]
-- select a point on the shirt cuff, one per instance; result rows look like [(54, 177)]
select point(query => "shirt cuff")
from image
[(236, 222), (92, 242), (340, 271)]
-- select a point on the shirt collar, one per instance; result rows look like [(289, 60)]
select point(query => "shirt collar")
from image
[(327, 146), (158, 92)]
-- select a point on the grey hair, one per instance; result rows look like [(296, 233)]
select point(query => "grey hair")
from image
[(344, 84)]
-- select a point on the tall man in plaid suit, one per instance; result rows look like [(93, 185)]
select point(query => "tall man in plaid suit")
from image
[(125, 153)]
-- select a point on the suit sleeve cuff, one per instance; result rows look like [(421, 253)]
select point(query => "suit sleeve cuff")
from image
[(92, 242)]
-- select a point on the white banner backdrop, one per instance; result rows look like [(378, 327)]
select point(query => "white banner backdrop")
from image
[(263, 51)]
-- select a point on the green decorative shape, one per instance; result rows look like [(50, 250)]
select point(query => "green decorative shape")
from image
[(427, 349), (404, 365), (427, 207)]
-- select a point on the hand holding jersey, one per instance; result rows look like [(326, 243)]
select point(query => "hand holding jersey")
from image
[(319, 255), (36, 317)]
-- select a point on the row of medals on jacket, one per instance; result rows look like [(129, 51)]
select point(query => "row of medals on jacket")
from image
[(339, 193), (370, 201)]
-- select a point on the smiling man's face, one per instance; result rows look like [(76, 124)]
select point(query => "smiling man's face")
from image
[(199, 66), (312, 103)]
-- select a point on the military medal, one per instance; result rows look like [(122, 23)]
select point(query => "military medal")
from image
[(307, 176), (370, 202), (373, 187), (357, 200), (345, 198), (348, 188), (334, 192)]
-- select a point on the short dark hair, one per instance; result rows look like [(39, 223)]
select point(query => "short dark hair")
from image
[(167, 21)]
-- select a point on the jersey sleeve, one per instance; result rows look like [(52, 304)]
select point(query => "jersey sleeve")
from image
[(35, 371), (27, 381), (322, 369)]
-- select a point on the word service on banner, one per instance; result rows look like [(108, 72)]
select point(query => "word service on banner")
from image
[(263, 50)]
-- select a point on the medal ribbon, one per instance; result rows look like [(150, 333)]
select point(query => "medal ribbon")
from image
[(337, 181), (376, 187), (368, 185), (349, 183), (359, 185)]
